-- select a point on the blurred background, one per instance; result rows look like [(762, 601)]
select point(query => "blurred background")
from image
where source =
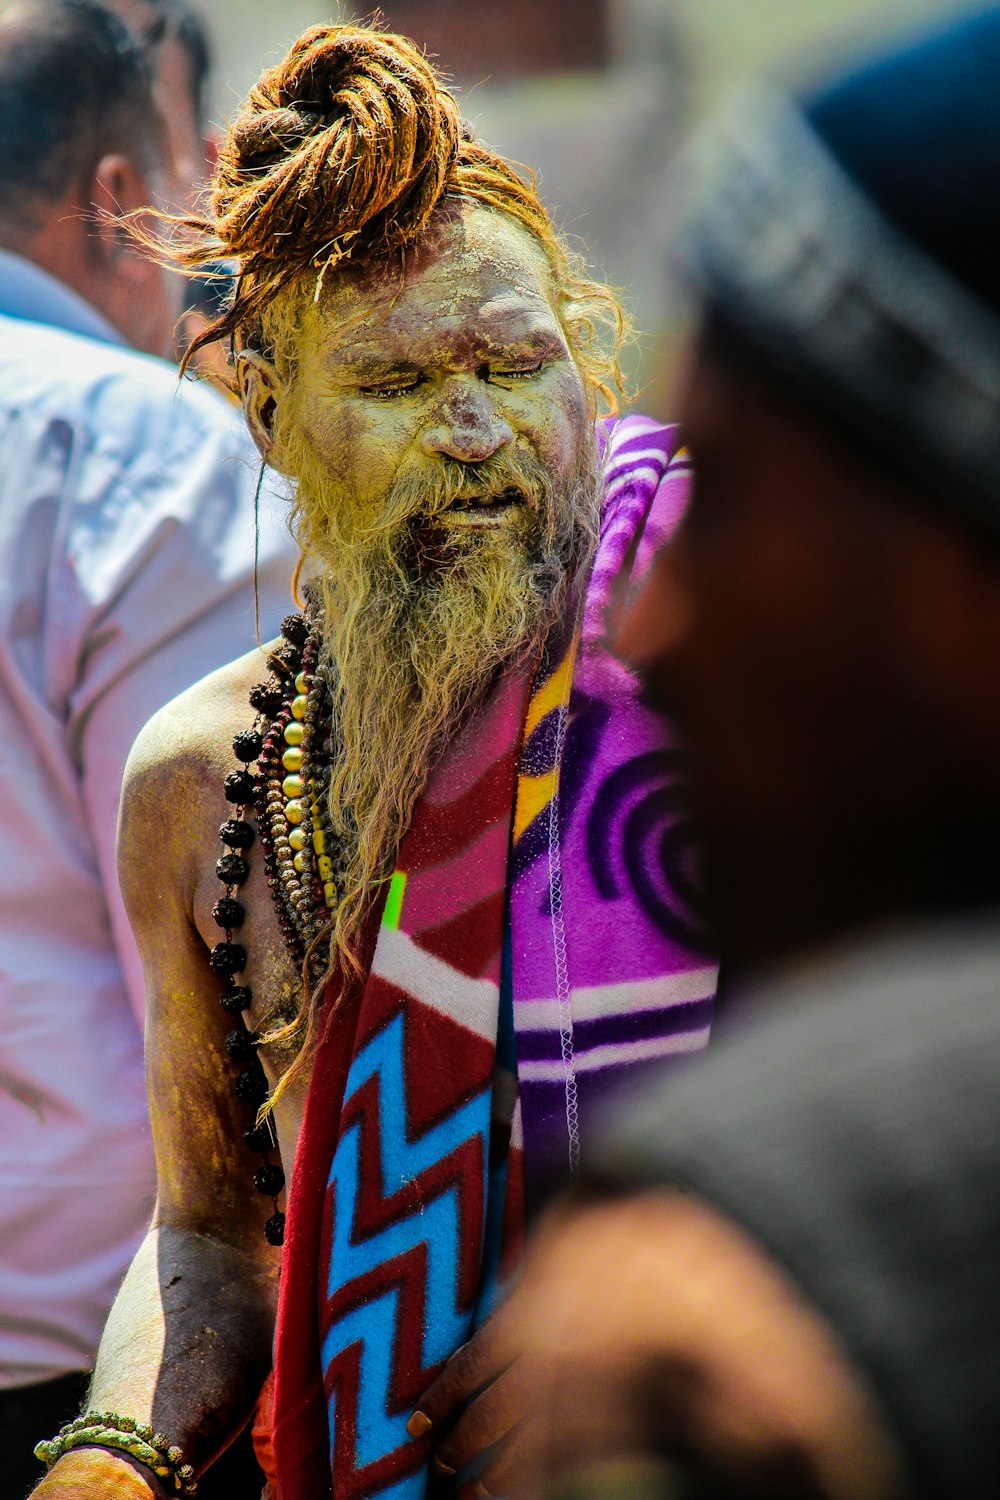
[(594, 94)]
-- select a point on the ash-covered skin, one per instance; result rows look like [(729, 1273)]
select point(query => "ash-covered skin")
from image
[(440, 436), (457, 354), (467, 372)]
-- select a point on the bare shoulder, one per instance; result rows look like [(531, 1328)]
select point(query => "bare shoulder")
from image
[(193, 732), (172, 787), (173, 804)]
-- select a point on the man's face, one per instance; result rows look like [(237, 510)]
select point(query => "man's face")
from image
[(775, 630), (447, 484), (459, 371), (149, 301)]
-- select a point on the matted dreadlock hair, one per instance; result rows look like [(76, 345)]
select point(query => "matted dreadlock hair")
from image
[(344, 150)]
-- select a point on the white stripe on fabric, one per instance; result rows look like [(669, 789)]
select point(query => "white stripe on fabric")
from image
[(615, 1054), (624, 461), (633, 427), (471, 1002), (629, 476), (597, 1002)]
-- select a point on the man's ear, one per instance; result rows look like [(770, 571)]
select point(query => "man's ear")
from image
[(117, 187), (260, 388)]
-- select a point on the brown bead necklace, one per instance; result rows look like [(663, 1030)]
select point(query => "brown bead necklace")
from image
[(286, 789)]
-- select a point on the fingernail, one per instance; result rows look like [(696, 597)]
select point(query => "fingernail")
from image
[(441, 1469), (419, 1424), (482, 1491)]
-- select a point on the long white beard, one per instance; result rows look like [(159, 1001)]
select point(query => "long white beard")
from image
[(417, 621)]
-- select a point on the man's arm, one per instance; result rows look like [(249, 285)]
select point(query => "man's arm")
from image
[(186, 1349), (188, 1342)]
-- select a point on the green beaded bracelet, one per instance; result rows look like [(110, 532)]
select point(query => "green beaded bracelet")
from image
[(137, 1440)]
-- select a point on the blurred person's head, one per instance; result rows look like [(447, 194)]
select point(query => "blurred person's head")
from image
[(179, 50), (80, 143), (178, 47), (827, 625)]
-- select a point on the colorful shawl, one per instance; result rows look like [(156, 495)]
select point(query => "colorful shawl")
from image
[(558, 802)]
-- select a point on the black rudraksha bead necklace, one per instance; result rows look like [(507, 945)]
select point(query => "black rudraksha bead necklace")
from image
[(289, 743)]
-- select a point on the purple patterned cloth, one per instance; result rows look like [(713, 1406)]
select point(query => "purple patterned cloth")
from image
[(611, 967), (406, 1210)]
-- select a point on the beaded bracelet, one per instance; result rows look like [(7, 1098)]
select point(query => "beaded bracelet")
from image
[(106, 1429)]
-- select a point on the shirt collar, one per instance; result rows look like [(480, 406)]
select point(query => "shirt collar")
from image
[(26, 291)]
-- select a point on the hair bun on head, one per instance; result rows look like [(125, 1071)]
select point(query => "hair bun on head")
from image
[(263, 140), (345, 149), (346, 143)]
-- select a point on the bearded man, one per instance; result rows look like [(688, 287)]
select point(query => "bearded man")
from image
[(438, 912)]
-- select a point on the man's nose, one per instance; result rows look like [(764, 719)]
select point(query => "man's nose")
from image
[(467, 425)]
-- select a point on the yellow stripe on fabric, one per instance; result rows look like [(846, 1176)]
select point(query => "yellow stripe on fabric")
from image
[(393, 908), (553, 692), (534, 793)]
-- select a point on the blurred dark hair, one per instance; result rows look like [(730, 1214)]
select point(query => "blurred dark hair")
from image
[(833, 416), (176, 20), (732, 349), (74, 85)]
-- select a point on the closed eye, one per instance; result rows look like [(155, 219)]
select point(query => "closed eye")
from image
[(518, 372), (390, 392)]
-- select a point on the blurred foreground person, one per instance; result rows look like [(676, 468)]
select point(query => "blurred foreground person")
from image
[(435, 886), (819, 1313), (126, 568)]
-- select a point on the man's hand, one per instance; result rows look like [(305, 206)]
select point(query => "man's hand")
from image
[(652, 1325), (95, 1474), (476, 1406)]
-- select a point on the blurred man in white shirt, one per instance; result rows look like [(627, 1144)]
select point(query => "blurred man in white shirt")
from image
[(126, 572)]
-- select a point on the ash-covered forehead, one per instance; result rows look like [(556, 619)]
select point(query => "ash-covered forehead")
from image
[(475, 275), (463, 235)]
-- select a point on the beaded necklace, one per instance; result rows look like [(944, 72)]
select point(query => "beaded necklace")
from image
[(291, 808), (287, 793)]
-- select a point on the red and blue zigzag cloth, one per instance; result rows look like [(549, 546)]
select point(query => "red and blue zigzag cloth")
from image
[(557, 803)]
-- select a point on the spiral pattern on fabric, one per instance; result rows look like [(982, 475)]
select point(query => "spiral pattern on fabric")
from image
[(638, 836)]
